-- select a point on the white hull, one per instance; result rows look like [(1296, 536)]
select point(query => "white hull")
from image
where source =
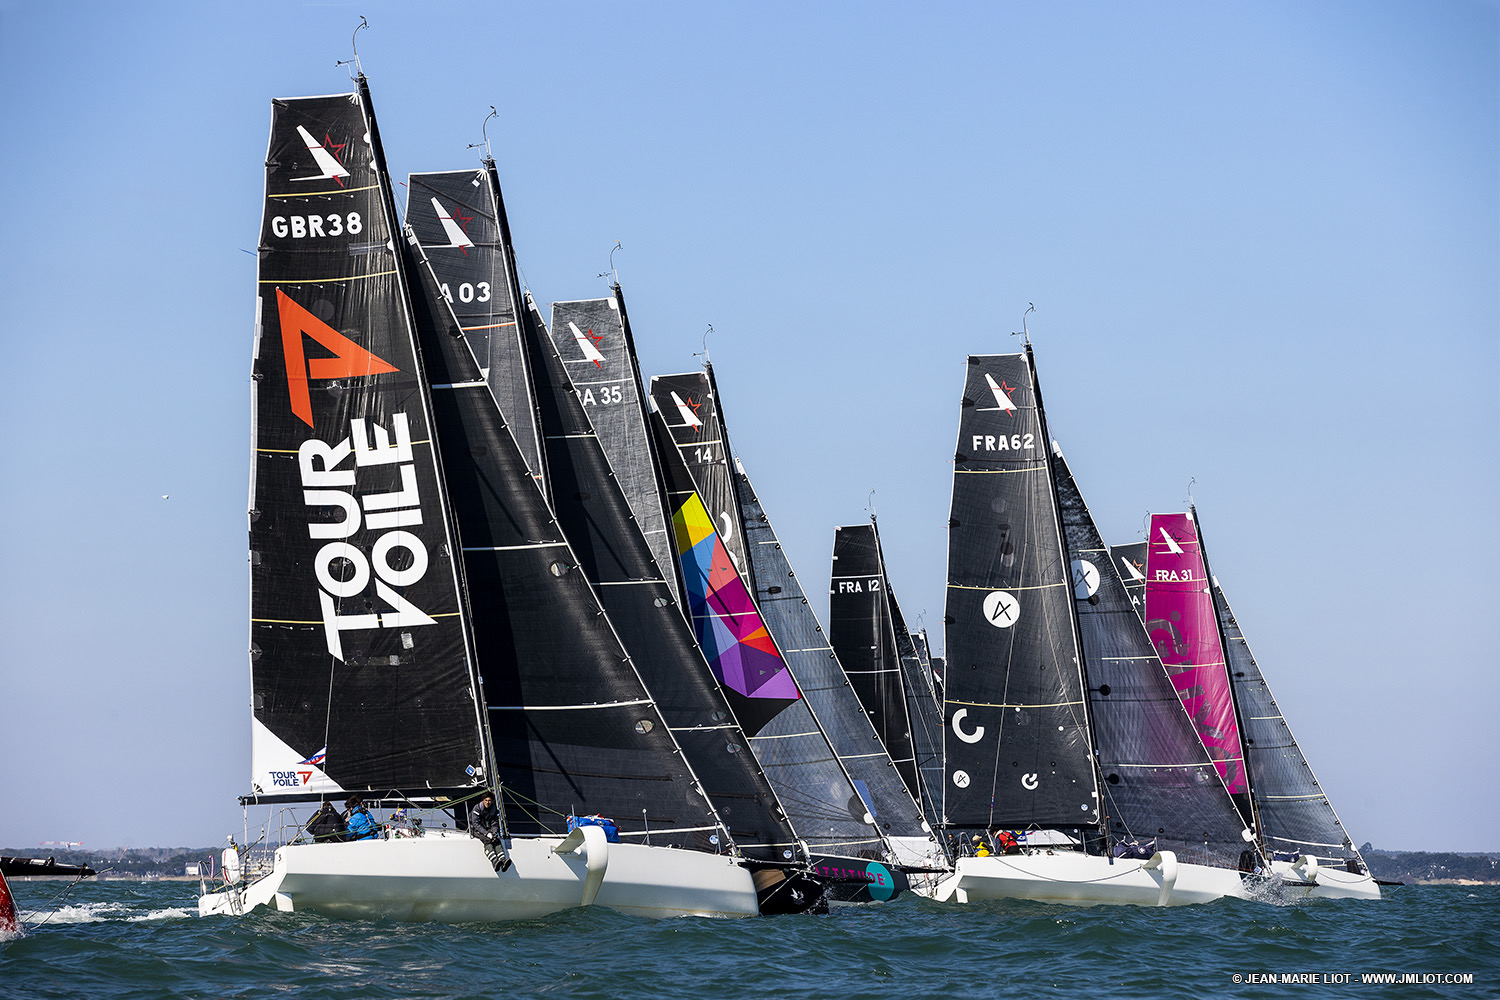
[(1332, 883), (449, 878), (1073, 877)]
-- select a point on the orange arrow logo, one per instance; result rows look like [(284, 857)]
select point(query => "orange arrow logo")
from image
[(349, 358)]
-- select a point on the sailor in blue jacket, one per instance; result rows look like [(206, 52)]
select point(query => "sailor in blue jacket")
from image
[(358, 822)]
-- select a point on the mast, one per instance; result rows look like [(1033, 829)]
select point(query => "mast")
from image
[(361, 665), (1088, 705)]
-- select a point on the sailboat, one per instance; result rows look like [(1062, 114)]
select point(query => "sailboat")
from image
[(1020, 748), (611, 552), (417, 632), (1237, 718), (883, 665), (747, 606)]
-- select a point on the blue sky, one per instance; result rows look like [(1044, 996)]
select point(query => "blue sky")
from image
[(1263, 242)]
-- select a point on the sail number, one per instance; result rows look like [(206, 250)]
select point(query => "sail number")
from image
[(468, 292), (1000, 442), (702, 456), (311, 226), (607, 394)]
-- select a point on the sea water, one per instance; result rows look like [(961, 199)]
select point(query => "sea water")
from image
[(144, 940)]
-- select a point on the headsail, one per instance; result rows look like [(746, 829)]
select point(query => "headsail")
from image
[(360, 670), (574, 728), (1295, 815), (614, 557), (1016, 741), (822, 804), (1185, 631), (459, 218), (812, 660), (1159, 784), (594, 340)]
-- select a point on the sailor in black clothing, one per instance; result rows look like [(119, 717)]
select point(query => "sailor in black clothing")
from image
[(326, 826), (484, 824)]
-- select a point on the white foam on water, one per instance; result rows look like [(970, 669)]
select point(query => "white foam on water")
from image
[(170, 913), (84, 913)]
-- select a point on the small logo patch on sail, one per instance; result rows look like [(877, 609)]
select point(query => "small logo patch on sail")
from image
[(323, 156), (586, 342), (452, 227), (689, 417), (1002, 393)]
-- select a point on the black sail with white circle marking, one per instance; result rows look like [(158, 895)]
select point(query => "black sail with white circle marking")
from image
[(1016, 734)]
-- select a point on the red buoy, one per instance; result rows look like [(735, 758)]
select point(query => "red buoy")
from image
[(10, 923)]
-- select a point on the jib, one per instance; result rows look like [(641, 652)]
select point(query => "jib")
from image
[(304, 226)]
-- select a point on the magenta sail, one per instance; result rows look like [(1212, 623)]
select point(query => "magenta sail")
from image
[(1180, 618)]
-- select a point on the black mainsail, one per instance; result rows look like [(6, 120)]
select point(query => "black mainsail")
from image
[(614, 557), (883, 664), (574, 727), (459, 218), (1160, 786), (360, 668), (593, 338), (1016, 742)]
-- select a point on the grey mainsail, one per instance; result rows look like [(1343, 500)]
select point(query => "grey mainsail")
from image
[(593, 338)]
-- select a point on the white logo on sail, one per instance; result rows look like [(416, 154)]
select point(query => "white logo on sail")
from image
[(1001, 609), (586, 345), (958, 718), (961, 779), (1135, 574), (1030, 781), (456, 236), (1001, 399), (1172, 545), (689, 418), (331, 168), (1085, 579)]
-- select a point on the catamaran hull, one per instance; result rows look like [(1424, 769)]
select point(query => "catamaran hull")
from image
[(449, 879), (1327, 883), (1071, 877)]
